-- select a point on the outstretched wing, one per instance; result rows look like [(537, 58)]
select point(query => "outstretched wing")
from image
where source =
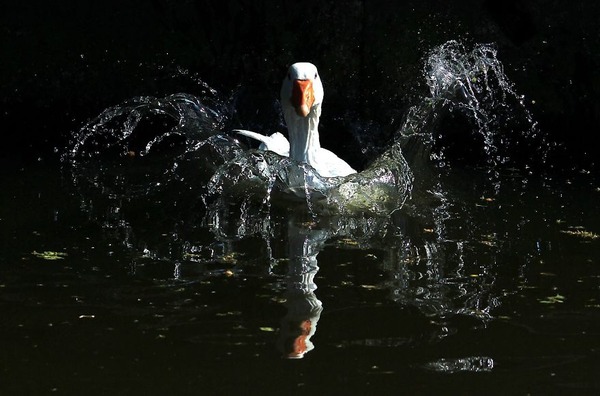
[(275, 142)]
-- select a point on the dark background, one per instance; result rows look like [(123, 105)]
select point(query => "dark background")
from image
[(63, 62)]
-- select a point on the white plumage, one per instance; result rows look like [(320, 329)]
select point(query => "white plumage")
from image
[(276, 142), (301, 100)]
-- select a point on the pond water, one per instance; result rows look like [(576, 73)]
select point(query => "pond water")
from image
[(162, 255)]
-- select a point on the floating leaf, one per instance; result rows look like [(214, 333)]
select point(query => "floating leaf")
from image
[(267, 329), (230, 258), (581, 233), (49, 255), (347, 242), (229, 313), (556, 299), (369, 287)]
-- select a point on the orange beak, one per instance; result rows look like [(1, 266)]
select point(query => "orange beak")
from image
[(303, 96), (299, 345)]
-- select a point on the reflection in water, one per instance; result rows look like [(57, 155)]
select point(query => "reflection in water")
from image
[(475, 364), (299, 324), (303, 307)]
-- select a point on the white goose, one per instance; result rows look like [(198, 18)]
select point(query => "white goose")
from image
[(301, 100)]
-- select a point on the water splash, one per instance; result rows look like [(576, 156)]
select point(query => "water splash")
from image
[(474, 364), (174, 158), (114, 130), (473, 83)]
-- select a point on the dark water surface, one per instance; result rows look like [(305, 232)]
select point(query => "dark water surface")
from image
[(503, 299), (151, 251)]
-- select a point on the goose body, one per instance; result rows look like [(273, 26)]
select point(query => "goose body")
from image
[(301, 100)]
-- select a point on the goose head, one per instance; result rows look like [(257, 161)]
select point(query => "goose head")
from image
[(301, 99), (302, 91)]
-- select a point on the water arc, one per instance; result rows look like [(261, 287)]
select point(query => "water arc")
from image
[(471, 82)]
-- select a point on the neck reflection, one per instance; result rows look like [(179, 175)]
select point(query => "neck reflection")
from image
[(303, 307)]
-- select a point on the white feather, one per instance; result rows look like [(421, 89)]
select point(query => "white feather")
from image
[(276, 142)]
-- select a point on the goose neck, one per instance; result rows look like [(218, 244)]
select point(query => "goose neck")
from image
[(304, 137)]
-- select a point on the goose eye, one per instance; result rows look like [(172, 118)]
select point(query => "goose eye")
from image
[(316, 76)]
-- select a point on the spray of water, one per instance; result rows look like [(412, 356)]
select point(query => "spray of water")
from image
[(174, 157), (114, 130), (474, 84)]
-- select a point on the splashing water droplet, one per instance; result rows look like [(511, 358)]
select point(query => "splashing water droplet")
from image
[(473, 84)]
